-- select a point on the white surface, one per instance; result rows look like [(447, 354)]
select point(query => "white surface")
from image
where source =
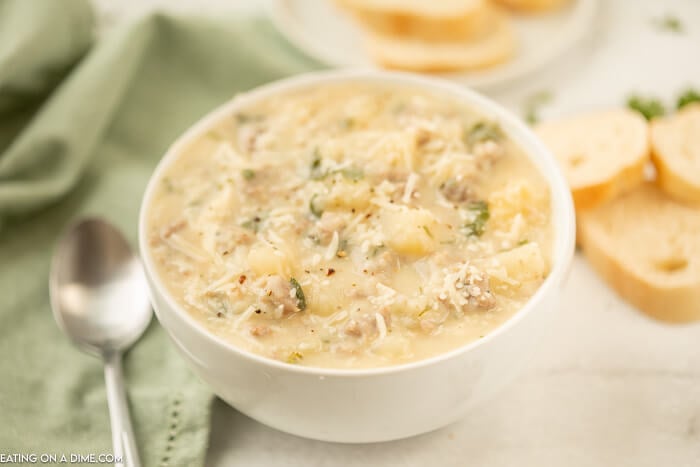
[(303, 22), (387, 403), (609, 387)]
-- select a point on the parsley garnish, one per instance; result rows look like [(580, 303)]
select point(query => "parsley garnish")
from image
[(688, 97), (533, 105), (648, 107), (481, 212), (669, 23), (248, 174)]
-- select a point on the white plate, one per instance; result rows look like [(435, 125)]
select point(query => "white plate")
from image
[(322, 31)]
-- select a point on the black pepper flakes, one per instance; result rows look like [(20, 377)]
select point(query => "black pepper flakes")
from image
[(330, 272)]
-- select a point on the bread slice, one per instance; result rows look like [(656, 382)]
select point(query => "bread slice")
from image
[(427, 56), (449, 21), (441, 9), (603, 154), (675, 143), (647, 247), (532, 6)]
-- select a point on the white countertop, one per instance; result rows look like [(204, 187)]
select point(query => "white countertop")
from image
[(608, 386)]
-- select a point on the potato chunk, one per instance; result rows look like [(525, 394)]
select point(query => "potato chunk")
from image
[(410, 232), (348, 194), (265, 259), (519, 265), (520, 197)]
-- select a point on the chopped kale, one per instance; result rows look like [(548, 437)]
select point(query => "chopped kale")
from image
[(377, 249), (299, 293), (315, 172), (353, 173), (315, 207), (533, 105), (253, 224), (480, 210), (482, 131)]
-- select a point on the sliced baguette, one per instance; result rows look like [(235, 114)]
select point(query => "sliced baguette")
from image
[(423, 55), (475, 23), (532, 6), (602, 155), (647, 247), (675, 143), (443, 9)]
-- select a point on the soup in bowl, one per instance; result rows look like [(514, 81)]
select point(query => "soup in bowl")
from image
[(356, 256)]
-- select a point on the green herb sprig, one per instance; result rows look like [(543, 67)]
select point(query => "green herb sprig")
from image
[(687, 97), (669, 23), (648, 107)]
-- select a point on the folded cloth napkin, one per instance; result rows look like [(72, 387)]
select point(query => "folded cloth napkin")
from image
[(82, 126)]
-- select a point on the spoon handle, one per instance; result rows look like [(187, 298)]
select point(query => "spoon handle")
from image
[(123, 441)]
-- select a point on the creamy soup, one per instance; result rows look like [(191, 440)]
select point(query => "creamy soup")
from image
[(351, 226)]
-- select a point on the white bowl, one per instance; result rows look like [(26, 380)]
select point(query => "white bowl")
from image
[(369, 405)]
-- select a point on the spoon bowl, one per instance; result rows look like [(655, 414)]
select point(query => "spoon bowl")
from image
[(98, 292)]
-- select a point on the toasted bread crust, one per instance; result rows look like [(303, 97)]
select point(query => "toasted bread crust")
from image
[(443, 10), (675, 143), (649, 258), (603, 154), (472, 26), (533, 6), (421, 55)]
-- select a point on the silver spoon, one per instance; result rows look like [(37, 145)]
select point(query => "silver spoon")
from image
[(99, 298)]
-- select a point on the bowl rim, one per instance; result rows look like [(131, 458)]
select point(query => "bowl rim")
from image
[(563, 217)]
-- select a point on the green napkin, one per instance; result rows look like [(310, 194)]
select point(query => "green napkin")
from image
[(81, 128)]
